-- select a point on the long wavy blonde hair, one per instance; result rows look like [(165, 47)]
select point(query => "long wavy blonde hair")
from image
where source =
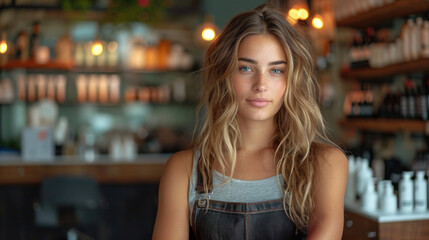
[(300, 128)]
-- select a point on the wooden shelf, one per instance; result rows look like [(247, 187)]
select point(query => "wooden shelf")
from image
[(33, 65), (96, 69), (375, 16), (387, 125), (111, 69), (398, 68)]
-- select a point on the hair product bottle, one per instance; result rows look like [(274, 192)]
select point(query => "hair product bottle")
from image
[(388, 203), (381, 191), (425, 39), (416, 37), (420, 192), (364, 173), (406, 196), (406, 39), (369, 198)]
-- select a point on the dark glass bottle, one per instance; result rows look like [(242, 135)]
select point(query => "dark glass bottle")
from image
[(411, 99), (404, 103)]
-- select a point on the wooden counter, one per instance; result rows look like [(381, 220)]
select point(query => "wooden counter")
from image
[(361, 224), (144, 169)]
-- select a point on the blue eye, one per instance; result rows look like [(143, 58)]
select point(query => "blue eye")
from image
[(245, 69), (277, 71)]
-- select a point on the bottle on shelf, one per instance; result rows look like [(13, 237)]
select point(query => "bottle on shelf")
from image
[(420, 192), (368, 102), (406, 33), (35, 39), (404, 103), (397, 105), (364, 173), (369, 197), (381, 188), (425, 39), (416, 38), (79, 54), (388, 203), (22, 51), (112, 53), (406, 196), (411, 107), (421, 103), (64, 50), (355, 52)]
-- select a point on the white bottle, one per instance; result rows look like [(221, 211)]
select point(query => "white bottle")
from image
[(420, 192), (406, 39), (381, 191), (351, 190), (406, 196), (369, 198), (116, 152), (425, 39), (364, 173), (416, 32), (388, 200), (129, 148)]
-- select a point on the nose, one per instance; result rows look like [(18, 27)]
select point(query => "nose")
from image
[(260, 84)]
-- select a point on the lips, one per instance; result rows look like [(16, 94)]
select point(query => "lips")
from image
[(258, 102)]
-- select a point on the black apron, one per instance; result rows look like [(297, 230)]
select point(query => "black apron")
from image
[(248, 221)]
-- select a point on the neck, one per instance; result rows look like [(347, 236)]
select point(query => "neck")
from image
[(256, 135)]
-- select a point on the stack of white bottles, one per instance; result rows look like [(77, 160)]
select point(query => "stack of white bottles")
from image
[(360, 176), (412, 194)]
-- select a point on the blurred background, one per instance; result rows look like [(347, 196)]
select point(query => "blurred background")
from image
[(96, 94)]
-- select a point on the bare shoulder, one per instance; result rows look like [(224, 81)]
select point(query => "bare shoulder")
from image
[(180, 161), (330, 180), (172, 220), (332, 158), (331, 169)]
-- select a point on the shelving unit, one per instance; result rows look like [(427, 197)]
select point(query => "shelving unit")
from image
[(357, 224), (398, 8), (419, 65), (386, 125), (52, 65), (373, 17)]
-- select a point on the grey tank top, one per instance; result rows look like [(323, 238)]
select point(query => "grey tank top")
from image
[(236, 190)]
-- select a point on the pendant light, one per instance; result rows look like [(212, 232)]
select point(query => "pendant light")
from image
[(206, 32), (317, 21), (97, 48), (3, 44)]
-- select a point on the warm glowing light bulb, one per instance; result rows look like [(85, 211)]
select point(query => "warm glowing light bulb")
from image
[(293, 13), (97, 49), (208, 34), (302, 14), (3, 47), (317, 22)]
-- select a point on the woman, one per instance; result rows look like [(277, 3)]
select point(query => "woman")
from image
[(262, 166)]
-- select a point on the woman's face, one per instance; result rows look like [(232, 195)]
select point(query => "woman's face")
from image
[(260, 78)]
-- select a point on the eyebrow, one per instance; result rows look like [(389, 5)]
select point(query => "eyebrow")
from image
[(255, 62)]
